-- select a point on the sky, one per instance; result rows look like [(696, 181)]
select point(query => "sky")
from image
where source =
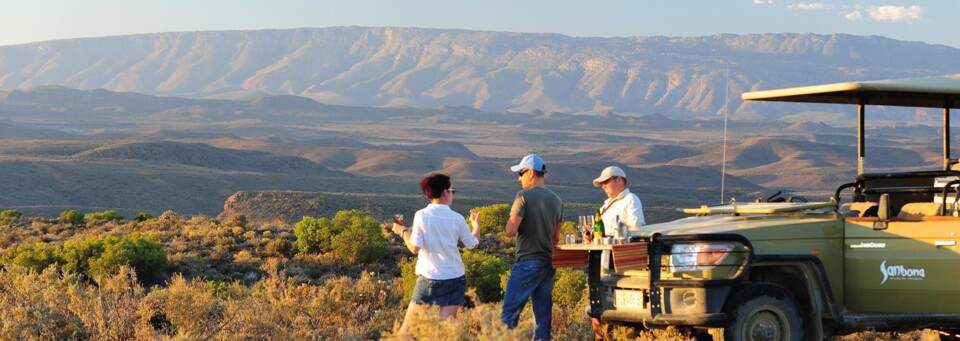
[(26, 21)]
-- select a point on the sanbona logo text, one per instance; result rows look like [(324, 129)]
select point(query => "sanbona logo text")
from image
[(900, 272)]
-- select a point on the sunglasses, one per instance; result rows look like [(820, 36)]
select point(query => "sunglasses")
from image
[(522, 172), (610, 180), (453, 190)]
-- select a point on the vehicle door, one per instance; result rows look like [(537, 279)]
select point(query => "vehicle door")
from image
[(911, 265)]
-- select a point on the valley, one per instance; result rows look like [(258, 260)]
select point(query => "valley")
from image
[(352, 157)]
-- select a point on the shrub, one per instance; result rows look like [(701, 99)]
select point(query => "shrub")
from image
[(483, 273), (313, 234), (278, 248), (105, 215), (11, 214), (36, 257), (493, 218), (360, 240), (235, 220), (568, 287), (408, 277), (244, 256), (353, 235), (78, 253), (568, 227), (71, 217), (147, 257), (143, 216), (192, 306)]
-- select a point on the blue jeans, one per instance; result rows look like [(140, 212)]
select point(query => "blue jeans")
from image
[(530, 279)]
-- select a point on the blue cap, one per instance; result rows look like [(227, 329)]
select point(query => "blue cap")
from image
[(532, 161)]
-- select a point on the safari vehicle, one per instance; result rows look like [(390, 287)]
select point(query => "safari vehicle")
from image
[(884, 258)]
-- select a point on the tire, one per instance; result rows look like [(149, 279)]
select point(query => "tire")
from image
[(763, 312)]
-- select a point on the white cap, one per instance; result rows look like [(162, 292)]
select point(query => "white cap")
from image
[(532, 161), (608, 173)]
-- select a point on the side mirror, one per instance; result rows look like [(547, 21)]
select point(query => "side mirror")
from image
[(883, 213)]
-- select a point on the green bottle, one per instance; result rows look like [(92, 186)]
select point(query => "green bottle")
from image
[(598, 231)]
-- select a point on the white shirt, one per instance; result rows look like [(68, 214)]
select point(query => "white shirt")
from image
[(628, 207), (436, 229)]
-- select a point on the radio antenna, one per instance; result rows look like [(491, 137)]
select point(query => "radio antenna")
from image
[(723, 164)]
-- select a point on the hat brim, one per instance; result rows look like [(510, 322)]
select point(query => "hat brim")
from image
[(516, 168), (599, 181)]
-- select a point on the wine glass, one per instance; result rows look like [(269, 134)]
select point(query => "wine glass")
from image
[(586, 227), (398, 218)]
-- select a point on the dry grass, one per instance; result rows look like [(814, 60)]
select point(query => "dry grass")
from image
[(227, 285)]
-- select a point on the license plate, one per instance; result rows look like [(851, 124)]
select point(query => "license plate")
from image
[(628, 299)]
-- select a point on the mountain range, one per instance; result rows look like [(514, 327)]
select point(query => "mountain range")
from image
[(276, 124), (678, 77)]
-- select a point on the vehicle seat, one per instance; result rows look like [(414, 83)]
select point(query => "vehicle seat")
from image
[(921, 209), (861, 209)]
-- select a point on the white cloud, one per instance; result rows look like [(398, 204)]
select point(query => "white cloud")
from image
[(895, 13), (810, 6), (762, 2), (853, 16)]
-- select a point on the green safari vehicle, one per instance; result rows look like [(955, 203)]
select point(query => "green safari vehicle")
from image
[(884, 257)]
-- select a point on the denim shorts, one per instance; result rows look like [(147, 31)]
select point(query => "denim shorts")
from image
[(442, 292)]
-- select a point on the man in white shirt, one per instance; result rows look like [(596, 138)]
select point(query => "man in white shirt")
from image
[(622, 205), (620, 202)]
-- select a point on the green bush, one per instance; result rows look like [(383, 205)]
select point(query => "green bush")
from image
[(360, 239), (568, 287), (493, 218), (11, 214), (217, 288), (568, 227), (313, 234), (71, 217), (146, 256), (408, 277), (36, 257), (77, 254), (483, 273), (353, 235), (105, 215), (143, 216)]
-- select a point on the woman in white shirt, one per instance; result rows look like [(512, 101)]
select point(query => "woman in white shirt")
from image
[(433, 238)]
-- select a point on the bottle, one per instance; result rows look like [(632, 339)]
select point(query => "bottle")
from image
[(598, 231), (622, 235), (617, 227)]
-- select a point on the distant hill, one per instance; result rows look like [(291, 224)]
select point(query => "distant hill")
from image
[(203, 155), (93, 150), (9, 131), (491, 71)]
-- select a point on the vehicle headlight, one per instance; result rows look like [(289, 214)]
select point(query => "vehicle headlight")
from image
[(698, 256)]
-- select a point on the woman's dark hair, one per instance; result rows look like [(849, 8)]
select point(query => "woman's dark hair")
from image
[(434, 185)]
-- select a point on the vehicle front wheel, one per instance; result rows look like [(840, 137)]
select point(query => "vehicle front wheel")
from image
[(763, 312)]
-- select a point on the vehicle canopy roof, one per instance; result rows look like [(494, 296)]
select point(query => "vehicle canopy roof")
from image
[(925, 92)]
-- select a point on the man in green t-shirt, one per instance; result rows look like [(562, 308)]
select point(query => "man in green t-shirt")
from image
[(535, 218)]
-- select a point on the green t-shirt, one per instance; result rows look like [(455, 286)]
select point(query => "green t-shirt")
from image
[(541, 210)]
